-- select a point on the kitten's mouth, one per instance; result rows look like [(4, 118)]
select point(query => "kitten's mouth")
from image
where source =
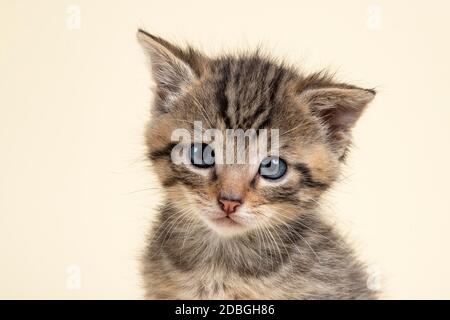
[(227, 224), (230, 221), (226, 220)]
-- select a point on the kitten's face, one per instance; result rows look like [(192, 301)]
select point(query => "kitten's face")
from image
[(313, 116)]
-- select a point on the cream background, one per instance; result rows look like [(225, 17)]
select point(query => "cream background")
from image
[(73, 105)]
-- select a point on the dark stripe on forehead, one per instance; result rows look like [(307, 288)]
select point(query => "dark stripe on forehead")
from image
[(249, 90), (252, 64), (221, 95), (308, 180), (263, 119), (266, 115), (260, 103), (275, 84)]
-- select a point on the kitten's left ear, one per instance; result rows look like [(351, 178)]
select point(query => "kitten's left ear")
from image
[(339, 108), (172, 67)]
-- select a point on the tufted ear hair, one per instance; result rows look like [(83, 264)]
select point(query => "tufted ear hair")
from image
[(172, 68), (339, 108)]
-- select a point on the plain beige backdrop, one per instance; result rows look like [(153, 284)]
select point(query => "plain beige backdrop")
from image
[(75, 201)]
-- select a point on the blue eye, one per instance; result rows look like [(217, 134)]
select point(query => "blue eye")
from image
[(272, 168), (202, 155)]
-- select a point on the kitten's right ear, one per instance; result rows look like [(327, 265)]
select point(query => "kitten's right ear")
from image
[(172, 68)]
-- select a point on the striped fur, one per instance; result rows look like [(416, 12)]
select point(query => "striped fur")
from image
[(284, 250)]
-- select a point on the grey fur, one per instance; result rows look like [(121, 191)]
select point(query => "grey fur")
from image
[(296, 255)]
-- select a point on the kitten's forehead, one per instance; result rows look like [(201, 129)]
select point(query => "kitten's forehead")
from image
[(249, 92), (245, 93)]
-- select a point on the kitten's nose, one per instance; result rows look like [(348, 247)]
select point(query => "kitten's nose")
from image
[(229, 205)]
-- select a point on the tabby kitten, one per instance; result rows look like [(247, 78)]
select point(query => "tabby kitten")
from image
[(233, 231)]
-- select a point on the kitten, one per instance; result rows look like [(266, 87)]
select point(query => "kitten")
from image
[(238, 231)]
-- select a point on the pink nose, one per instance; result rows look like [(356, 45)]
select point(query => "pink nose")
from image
[(229, 206)]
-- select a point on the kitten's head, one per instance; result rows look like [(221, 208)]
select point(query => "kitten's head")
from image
[(313, 116)]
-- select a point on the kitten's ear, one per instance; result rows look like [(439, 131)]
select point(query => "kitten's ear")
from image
[(339, 108), (172, 67)]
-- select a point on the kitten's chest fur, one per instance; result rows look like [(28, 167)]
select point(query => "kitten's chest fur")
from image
[(195, 265), (209, 280), (212, 283)]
